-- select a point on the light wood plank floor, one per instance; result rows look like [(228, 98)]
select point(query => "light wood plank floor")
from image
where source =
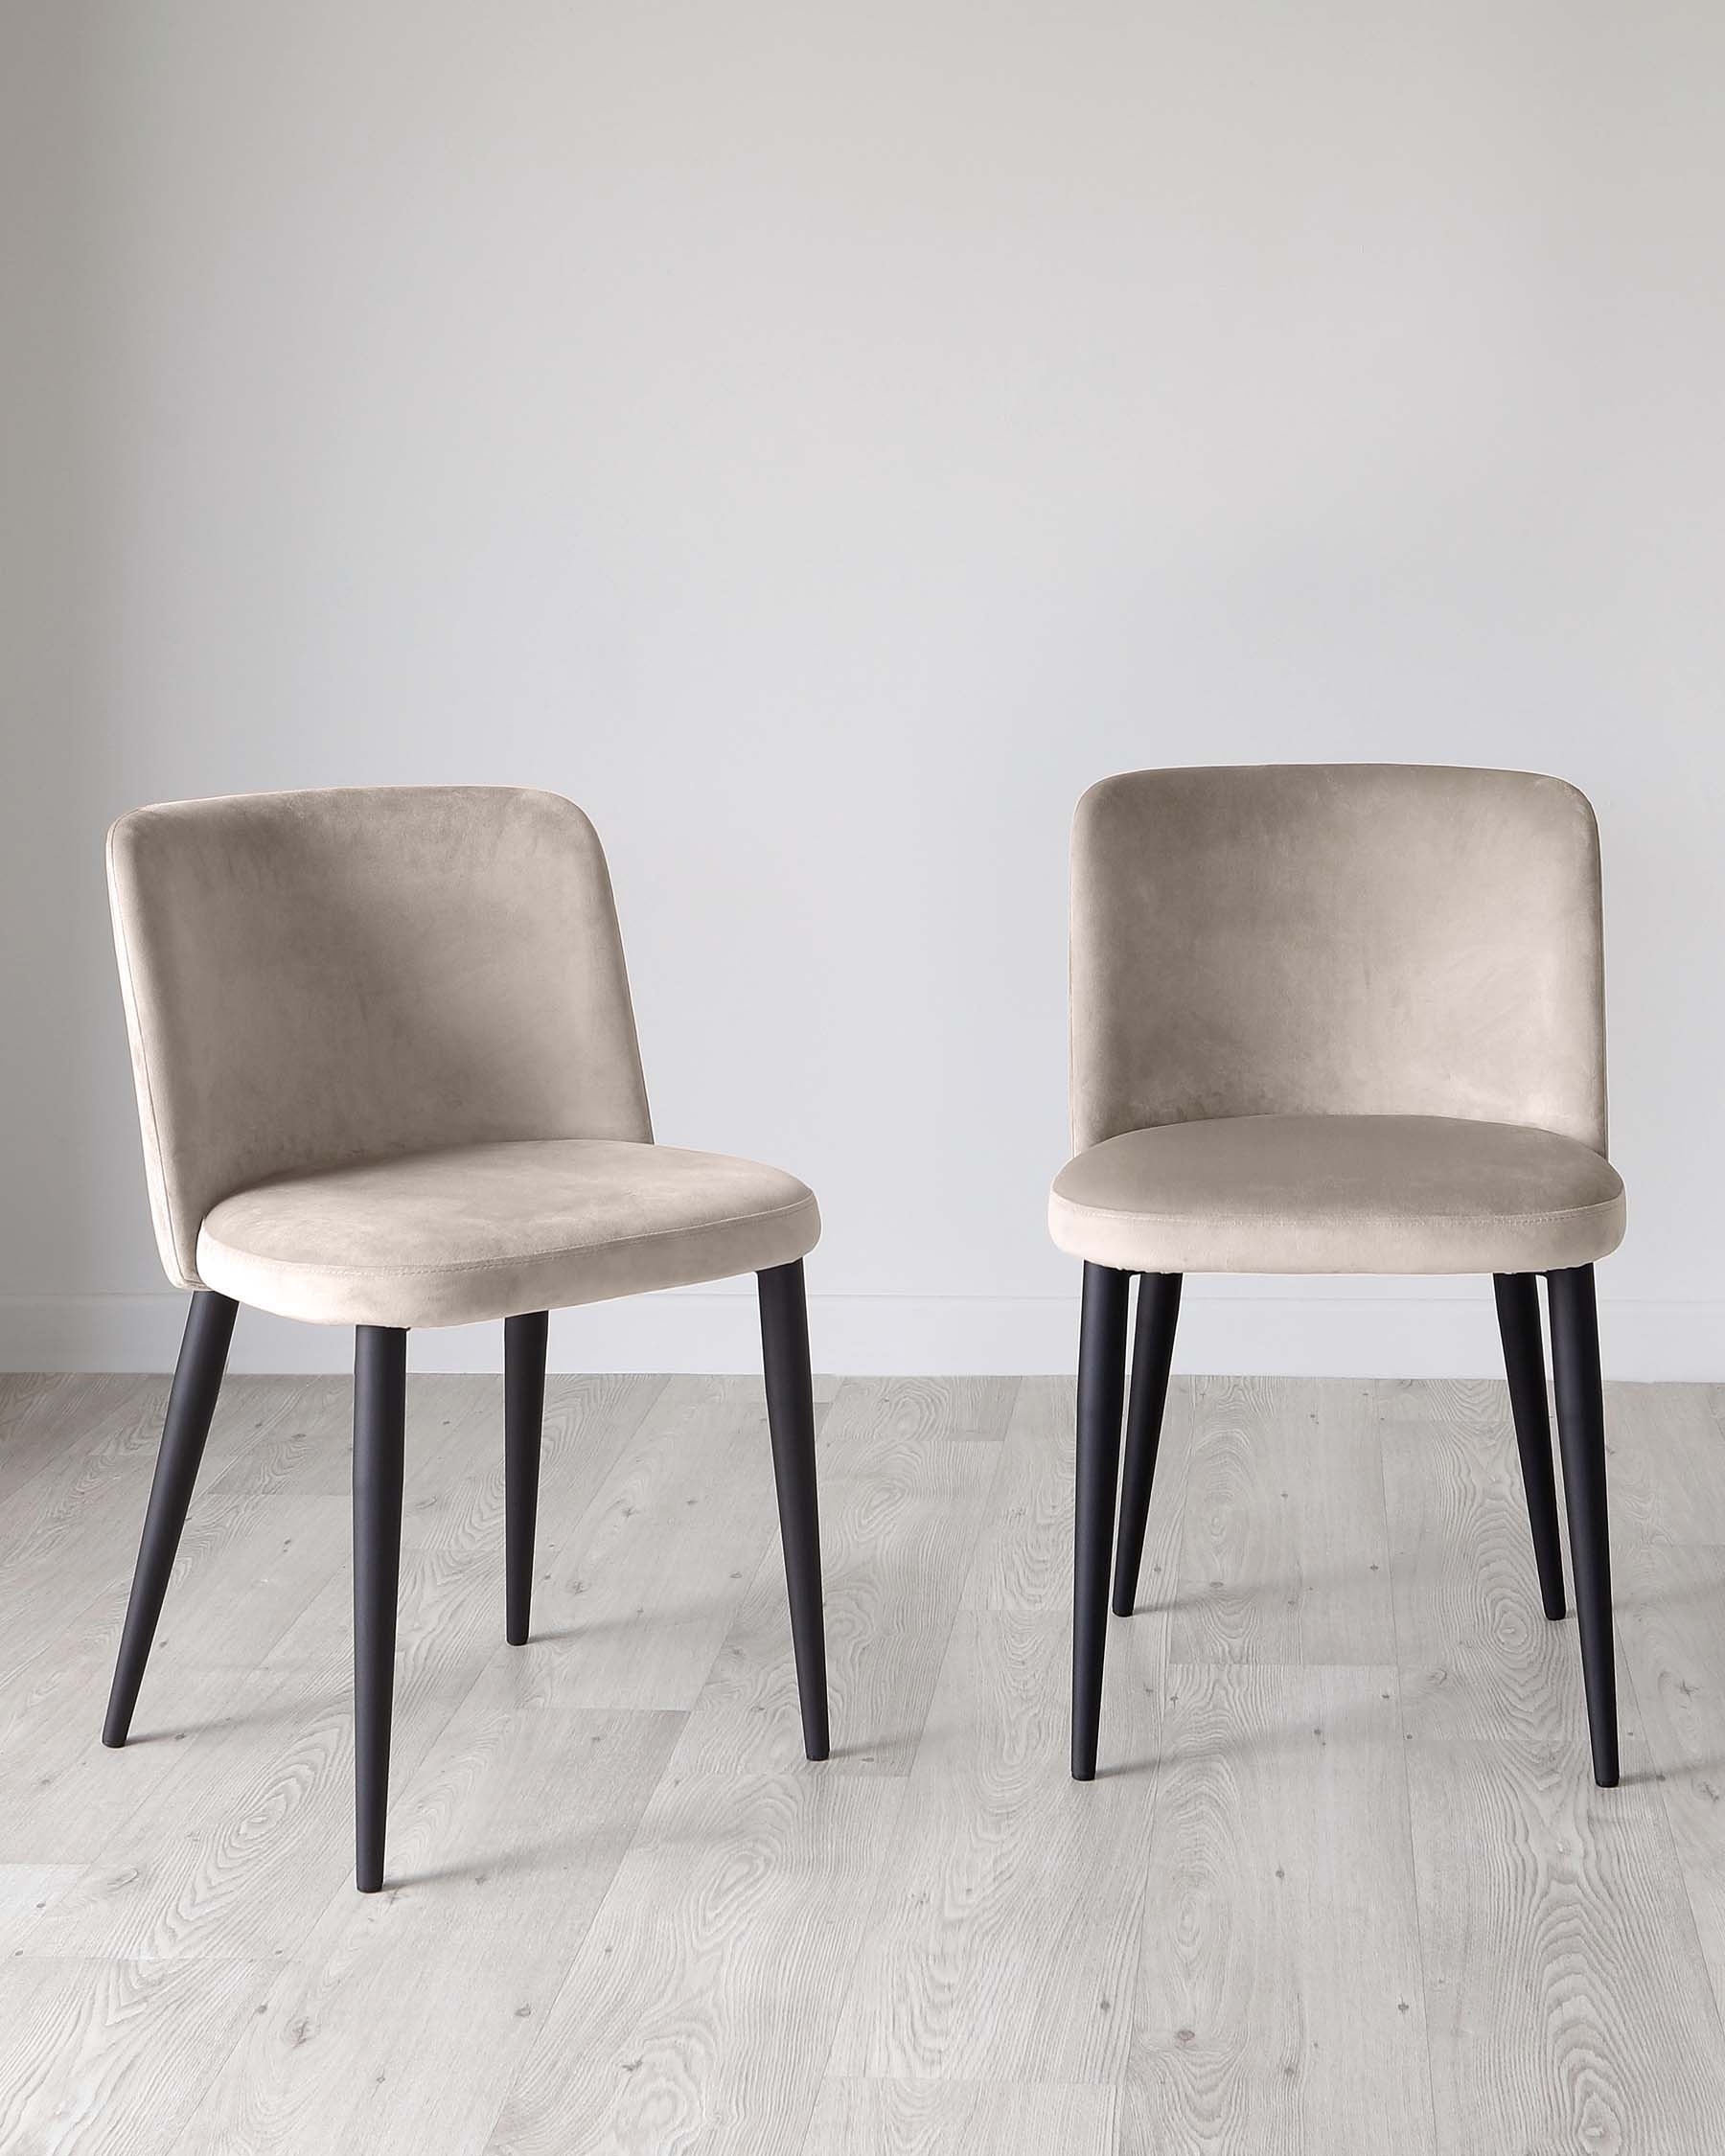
[(1344, 1884)]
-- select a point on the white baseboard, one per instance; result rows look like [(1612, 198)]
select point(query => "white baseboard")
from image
[(1322, 1329)]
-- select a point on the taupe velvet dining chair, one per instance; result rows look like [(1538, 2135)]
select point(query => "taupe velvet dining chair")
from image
[(1331, 1018), (387, 1075)]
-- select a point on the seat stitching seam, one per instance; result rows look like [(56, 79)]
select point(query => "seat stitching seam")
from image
[(523, 1257), (1335, 1220)]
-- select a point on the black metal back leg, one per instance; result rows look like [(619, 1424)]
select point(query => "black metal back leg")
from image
[(790, 1419), (1581, 1433), (380, 1429), (1101, 1386), (523, 1420), (190, 1404), (1152, 1356), (1524, 1362)]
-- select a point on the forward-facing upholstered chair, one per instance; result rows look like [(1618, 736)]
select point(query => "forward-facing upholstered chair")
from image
[(1338, 1019), (387, 1073)]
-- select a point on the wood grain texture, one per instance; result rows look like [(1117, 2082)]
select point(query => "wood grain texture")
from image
[(1023, 1560), (981, 2118), (229, 1816), (25, 1888), (71, 1530), (1566, 1995), (650, 1576), (294, 1437), (1284, 1553), (1665, 1458), (698, 2012), (37, 1414), (1024, 1555), (935, 1940), (502, 1846), (236, 1850), (61, 1794), (973, 1966), (900, 1501), (21, 1392), (456, 1492), (106, 2057), (1478, 1656), (869, 1411), (1280, 1972), (247, 1568), (1670, 1603), (280, 1436)]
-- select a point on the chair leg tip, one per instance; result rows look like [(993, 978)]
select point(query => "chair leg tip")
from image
[(1124, 1605), (114, 1739), (369, 1882)]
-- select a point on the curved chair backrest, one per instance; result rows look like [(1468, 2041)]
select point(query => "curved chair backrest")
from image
[(317, 977), (1336, 939)]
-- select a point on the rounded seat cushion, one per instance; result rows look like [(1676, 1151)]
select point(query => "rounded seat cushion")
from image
[(476, 1231), (1338, 1194)]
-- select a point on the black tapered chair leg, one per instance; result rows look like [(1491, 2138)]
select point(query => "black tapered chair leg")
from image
[(523, 1420), (1101, 1387), (1524, 1362), (791, 1420), (1152, 1356), (379, 1430), (1581, 1435), (190, 1404)]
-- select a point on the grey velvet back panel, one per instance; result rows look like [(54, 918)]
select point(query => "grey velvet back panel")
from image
[(317, 977), (1336, 939)]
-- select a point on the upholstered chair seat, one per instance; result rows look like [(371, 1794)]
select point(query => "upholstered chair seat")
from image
[(1338, 1194), (474, 1231)]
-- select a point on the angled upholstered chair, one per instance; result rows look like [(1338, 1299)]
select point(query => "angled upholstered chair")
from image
[(387, 1075), (1338, 1019)]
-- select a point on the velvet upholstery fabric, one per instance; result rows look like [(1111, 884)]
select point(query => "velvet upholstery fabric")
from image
[(1353, 939), (1338, 1194), (1282, 947), (484, 1231), (367, 979)]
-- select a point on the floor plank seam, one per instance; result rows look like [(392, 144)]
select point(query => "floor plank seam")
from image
[(1407, 1793)]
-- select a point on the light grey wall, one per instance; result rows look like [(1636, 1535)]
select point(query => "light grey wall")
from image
[(820, 439)]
